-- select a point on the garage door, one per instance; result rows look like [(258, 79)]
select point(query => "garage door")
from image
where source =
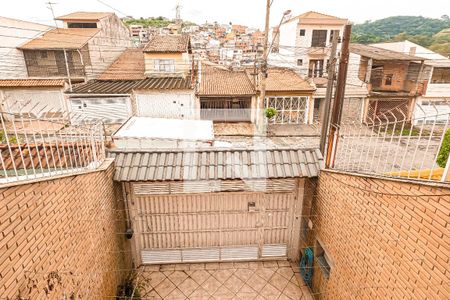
[(212, 226), (108, 110), (178, 106)]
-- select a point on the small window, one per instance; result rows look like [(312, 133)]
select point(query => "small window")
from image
[(165, 65), (388, 79), (299, 62), (323, 260), (302, 32), (43, 54)]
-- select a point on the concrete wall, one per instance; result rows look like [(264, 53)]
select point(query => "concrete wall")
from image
[(385, 239), (62, 237), (12, 62)]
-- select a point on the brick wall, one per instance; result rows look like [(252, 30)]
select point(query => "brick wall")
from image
[(385, 239), (59, 237)]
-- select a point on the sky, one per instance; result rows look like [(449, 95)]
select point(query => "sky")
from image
[(244, 12)]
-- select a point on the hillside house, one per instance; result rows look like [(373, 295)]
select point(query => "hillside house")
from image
[(303, 42), (124, 90), (291, 95), (83, 49), (436, 96), (226, 96), (168, 55), (394, 80)]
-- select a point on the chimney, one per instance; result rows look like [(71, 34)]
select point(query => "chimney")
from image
[(412, 51)]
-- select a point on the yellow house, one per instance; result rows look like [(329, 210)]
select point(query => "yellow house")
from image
[(168, 55)]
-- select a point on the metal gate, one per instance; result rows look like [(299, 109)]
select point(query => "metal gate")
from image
[(212, 226), (177, 106), (291, 110), (109, 110)]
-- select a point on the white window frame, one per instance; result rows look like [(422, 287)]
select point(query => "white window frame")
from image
[(164, 65)]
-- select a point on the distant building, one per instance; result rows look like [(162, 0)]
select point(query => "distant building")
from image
[(83, 49), (304, 42)]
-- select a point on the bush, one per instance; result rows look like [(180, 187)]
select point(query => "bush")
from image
[(444, 152), (270, 112)]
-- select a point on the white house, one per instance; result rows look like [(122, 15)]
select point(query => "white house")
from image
[(304, 41)]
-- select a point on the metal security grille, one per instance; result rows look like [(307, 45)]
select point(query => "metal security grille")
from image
[(291, 110), (212, 226), (393, 110)]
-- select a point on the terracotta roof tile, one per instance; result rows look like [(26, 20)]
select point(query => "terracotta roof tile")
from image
[(281, 79), (83, 15), (128, 66), (313, 17), (168, 43), (31, 82), (62, 38), (216, 81)]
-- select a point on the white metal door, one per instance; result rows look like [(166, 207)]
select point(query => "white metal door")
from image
[(109, 110), (213, 226), (177, 106)]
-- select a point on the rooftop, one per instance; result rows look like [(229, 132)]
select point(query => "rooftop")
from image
[(84, 15), (170, 129), (218, 81), (216, 164), (32, 82), (62, 38), (168, 43), (316, 18), (380, 53), (282, 79), (128, 66)]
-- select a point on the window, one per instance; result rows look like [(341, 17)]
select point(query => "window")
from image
[(82, 25), (299, 62), (388, 79), (302, 32), (323, 260), (319, 38), (165, 65), (43, 54), (332, 33), (316, 68), (441, 75)]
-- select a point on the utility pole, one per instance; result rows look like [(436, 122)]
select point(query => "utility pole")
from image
[(263, 69), (338, 98), (331, 73), (50, 6)]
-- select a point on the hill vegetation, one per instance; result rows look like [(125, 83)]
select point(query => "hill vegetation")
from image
[(154, 22), (427, 32)]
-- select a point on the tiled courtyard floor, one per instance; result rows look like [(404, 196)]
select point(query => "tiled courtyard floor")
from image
[(242, 280)]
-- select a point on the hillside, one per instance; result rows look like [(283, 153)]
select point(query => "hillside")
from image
[(428, 32)]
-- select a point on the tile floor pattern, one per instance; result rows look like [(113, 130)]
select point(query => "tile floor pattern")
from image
[(242, 280)]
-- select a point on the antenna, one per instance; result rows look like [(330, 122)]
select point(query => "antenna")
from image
[(50, 6), (178, 12)]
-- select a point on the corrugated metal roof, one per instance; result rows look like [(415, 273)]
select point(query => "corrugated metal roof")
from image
[(31, 82), (84, 15), (61, 38), (164, 83), (168, 43), (213, 164), (126, 86), (380, 53)]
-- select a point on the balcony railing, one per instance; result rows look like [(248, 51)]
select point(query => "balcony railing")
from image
[(389, 145), (32, 148)]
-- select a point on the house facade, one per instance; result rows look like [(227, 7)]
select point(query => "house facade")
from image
[(82, 50), (225, 95), (435, 99), (393, 79), (303, 42)]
